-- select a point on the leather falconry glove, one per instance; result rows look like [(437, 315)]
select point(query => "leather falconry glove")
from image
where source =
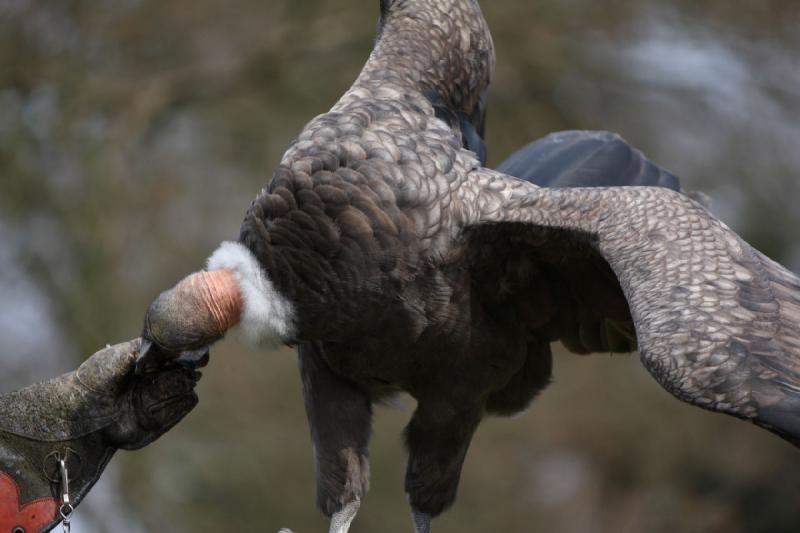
[(82, 418)]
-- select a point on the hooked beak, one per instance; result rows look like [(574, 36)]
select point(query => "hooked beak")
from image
[(151, 358)]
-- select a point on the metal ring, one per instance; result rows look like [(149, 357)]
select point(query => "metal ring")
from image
[(50, 466), (66, 511)]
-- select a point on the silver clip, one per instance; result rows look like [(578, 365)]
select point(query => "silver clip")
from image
[(66, 508)]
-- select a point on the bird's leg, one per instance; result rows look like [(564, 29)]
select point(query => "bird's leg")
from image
[(437, 438), (422, 521), (340, 521), (339, 415)]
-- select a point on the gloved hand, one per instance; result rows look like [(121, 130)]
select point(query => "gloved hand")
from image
[(82, 417)]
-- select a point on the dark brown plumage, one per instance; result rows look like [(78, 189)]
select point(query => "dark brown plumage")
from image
[(397, 262)]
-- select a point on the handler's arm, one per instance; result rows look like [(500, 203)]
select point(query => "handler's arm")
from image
[(82, 418)]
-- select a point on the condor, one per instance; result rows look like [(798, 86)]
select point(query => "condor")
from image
[(396, 261)]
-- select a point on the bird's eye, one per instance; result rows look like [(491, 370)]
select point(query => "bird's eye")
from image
[(18, 529)]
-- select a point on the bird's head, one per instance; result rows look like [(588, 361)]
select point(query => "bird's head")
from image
[(185, 320), (444, 46)]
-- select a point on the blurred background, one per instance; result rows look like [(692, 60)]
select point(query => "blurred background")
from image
[(133, 134)]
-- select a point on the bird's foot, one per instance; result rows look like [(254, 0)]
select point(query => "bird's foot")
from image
[(422, 521)]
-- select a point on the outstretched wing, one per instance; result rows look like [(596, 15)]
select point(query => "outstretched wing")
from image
[(716, 322)]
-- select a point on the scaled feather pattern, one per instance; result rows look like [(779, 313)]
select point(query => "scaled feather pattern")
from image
[(397, 261)]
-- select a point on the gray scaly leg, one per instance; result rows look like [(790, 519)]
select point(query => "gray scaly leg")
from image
[(340, 521), (422, 521)]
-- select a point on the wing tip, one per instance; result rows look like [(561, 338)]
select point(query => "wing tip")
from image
[(585, 158), (783, 419)]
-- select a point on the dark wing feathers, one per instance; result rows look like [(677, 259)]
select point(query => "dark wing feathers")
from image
[(716, 321), (585, 159)]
